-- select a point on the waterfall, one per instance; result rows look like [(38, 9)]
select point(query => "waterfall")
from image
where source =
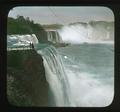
[(80, 75), (92, 32), (78, 81), (53, 36), (55, 75)]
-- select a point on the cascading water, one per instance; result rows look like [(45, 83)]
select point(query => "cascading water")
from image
[(53, 36), (75, 80), (81, 75), (92, 32), (55, 75)]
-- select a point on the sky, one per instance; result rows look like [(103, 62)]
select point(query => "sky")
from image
[(63, 15)]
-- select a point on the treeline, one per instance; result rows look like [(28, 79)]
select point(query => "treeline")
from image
[(52, 26), (22, 25)]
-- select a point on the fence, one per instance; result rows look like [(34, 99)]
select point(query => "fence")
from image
[(18, 48)]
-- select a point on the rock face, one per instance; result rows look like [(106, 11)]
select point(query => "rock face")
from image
[(26, 82)]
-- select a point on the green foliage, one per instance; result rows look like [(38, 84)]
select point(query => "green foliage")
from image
[(22, 25)]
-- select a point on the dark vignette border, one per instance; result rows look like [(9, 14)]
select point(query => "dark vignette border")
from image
[(4, 10)]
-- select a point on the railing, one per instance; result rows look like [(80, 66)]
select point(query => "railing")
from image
[(18, 48)]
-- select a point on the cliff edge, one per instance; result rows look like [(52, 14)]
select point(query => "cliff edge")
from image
[(26, 82)]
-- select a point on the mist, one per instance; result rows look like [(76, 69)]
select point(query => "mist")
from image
[(94, 32)]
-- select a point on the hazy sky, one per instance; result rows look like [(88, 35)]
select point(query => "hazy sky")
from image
[(63, 15)]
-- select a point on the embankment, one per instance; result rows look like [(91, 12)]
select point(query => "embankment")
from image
[(26, 82)]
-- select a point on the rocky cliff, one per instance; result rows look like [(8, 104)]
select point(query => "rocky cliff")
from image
[(26, 82)]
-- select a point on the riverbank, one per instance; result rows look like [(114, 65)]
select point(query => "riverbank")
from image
[(26, 82)]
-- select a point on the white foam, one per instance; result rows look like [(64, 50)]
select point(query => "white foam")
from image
[(65, 57), (89, 92), (24, 39), (79, 33), (68, 83)]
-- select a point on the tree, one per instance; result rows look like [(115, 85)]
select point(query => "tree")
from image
[(20, 18)]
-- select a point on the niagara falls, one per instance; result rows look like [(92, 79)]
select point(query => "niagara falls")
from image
[(76, 59)]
